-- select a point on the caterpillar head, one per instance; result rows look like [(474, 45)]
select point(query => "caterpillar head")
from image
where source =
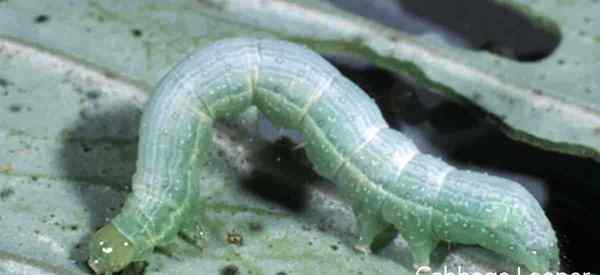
[(532, 241), (109, 250)]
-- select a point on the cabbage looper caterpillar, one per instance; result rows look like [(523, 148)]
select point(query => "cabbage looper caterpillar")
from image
[(379, 171)]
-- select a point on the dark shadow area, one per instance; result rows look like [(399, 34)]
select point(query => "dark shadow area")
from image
[(100, 149), (283, 176), (481, 25), (404, 105), (396, 100), (289, 193)]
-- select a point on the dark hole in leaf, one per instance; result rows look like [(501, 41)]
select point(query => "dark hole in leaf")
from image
[(136, 32), (482, 25), (15, 108), (92, 95), (41, 18), (6, 193), (4, 82)]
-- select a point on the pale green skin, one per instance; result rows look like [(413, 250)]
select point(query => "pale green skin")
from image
[(378, 170)]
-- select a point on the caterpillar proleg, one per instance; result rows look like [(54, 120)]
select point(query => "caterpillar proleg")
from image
[(378, 170)]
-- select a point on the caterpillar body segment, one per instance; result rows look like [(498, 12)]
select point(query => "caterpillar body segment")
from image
[(378, 170)]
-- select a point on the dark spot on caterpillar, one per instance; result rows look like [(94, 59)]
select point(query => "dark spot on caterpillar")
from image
[(34, 178), (136, 32), (310, 243), (15, 108), (561, 62), (36, 231), (92, 95), (230, 270), (334, 247), (41, 18), (256, 227), (281, 273), (235, 238), (537, 91), (6, 193)]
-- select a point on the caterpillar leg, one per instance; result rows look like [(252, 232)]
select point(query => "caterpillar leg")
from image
[(370, 223), (192, 230), (170, 250), (414, 224), (194, 233), (369, 227), (420, 249)]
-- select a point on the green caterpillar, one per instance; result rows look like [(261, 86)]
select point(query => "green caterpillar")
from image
[(378, 170)]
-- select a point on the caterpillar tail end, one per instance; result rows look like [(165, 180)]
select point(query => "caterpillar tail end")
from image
[(109, 251)]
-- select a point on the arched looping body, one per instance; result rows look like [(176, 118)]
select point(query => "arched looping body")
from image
[(379, 171)]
